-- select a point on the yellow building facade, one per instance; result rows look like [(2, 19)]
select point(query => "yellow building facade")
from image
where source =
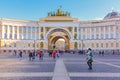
[(43, 34)]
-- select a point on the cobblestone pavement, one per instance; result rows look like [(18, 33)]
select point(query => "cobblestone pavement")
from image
[(104, 67)]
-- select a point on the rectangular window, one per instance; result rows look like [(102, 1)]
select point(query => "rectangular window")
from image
[(106, 36), (106, 28), (97, 45), (37, 29), (97, 36), (29, 29), (15, 36), (5, 35), (92, 36), (28, 44), (111, 44), (106, 45), (10, 36), (101, 28), (101, 44), (24, 29), (93, 45)]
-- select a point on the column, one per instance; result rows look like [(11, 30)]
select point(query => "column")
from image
[(22, 32), (44, 32), (35, 32), (18, 36), (3, 29), (104, 33), (8, 31), (26, 32), (40, 32), (31, 32), (90, 33), (13, 32), (77, 33), (73, 31)]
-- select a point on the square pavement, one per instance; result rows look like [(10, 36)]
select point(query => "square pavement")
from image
[(67, 67)]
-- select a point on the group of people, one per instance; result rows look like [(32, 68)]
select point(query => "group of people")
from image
[(40, 54), (54, 54)]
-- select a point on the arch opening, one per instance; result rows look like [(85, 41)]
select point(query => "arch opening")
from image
[(58, 39)]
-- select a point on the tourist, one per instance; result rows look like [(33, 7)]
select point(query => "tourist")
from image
[(40, 55), (58, 54), (33, 55), (89, 58), (103, 53), (54, 55), (20, 54), (15, 53), (30, 55)]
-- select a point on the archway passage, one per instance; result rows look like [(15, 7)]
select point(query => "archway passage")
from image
[(59, 40)]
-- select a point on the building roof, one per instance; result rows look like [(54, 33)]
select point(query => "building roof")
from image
[(112, 14)]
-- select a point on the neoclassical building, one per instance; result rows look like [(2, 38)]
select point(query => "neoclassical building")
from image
[(59, 30)]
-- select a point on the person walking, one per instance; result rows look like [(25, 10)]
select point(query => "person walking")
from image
[(54, 55), (58, 54), (33, 55), (40, 55), (89, 58), (30, 55), (102, 53)]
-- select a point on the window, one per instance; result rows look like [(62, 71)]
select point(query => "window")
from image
[(28, 44), (101, 28), (106, 35), (20, 29), (106, 28), (33, 45), (111, 36), (79, 29), (111, 44), (101, 44), (10, 36), (24, 29), (15, 36), (5, 35), (92, 44), (15, 28), (92, 36), (83, 29), (97, 29), (37, 29), (75, 29), (97, 36), (79, 36), (97, 45), (92, 29), (102, 36), (88, 36), (106, 45), (111, 28), (33, 29), (29, 36), (29, 29), (83, 36), (10, 28)]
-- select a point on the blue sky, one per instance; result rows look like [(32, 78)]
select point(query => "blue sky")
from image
[(36, 9)]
